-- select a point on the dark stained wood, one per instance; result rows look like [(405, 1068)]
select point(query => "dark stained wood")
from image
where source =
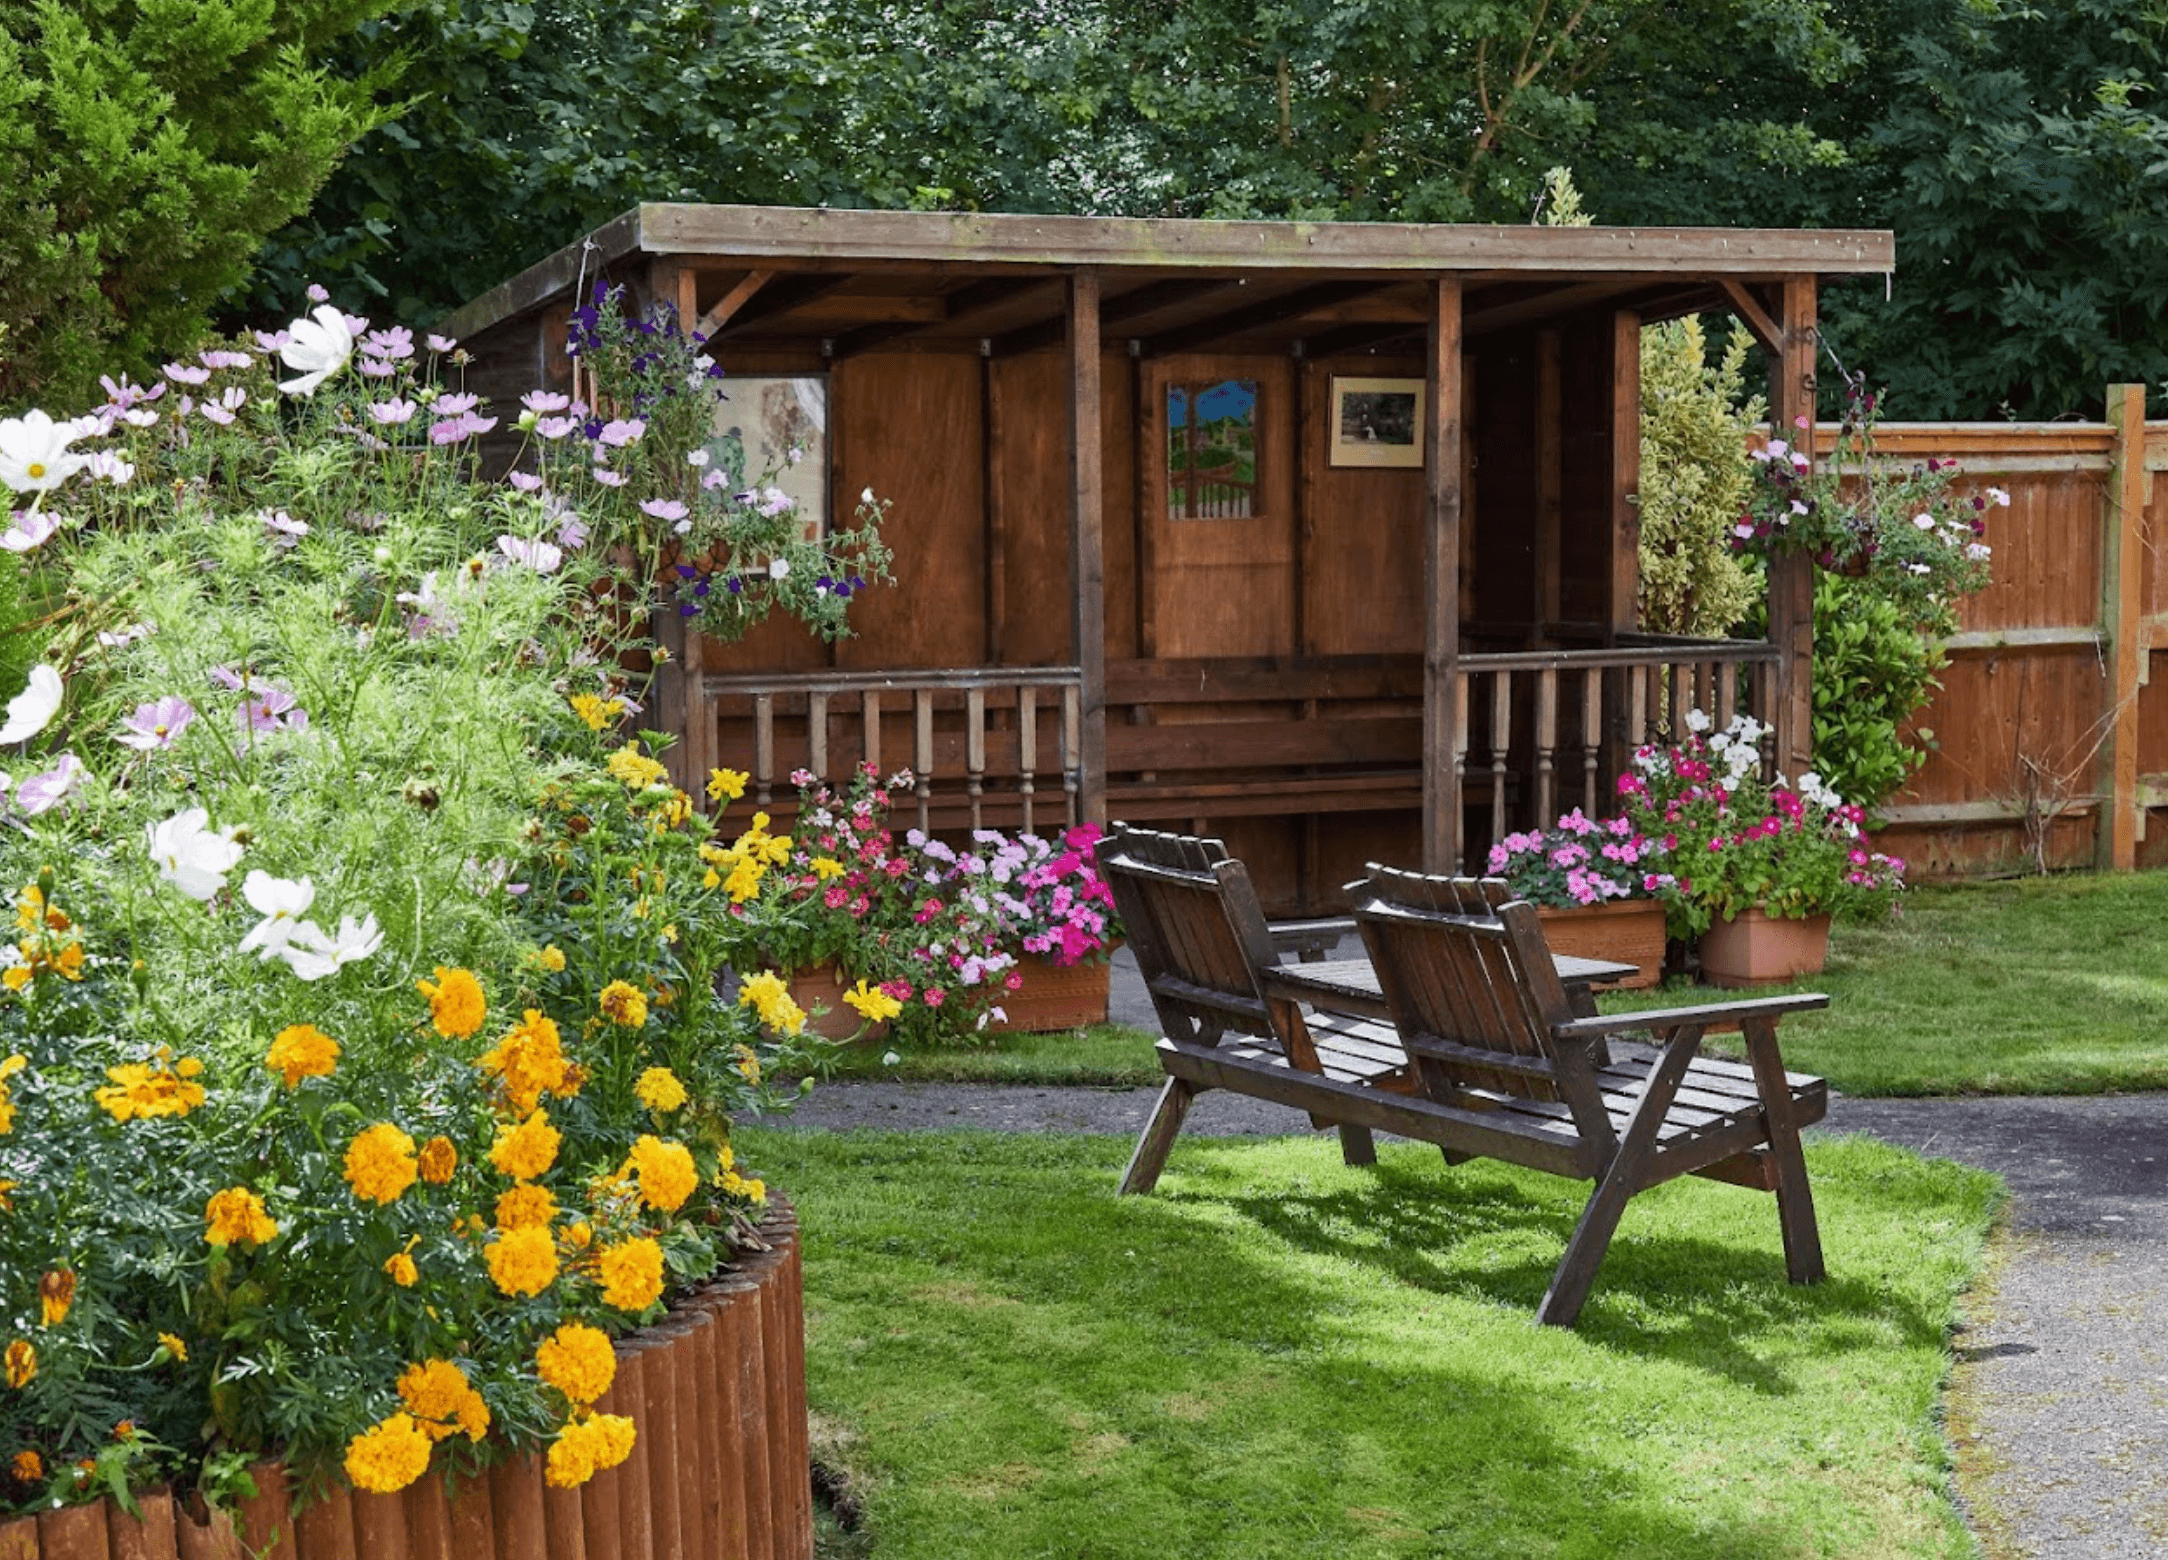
[(1550, 452), (1087, 489), (73, 1533), (1442, 463), (1625, 528), (958, 307), (1755, 312), (731, 301), (152, 1536), (1542, 304), (1791, 575), (765, 308), (1286, 306), (1362, 336)]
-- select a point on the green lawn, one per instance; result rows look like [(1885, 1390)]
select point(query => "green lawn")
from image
[(2040, 986), (1276, 1355)]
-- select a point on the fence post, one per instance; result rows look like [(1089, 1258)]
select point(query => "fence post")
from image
[(2122, 623)]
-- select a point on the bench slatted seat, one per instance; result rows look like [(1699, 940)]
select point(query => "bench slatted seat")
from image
[(1201, 941), (1496, 1061)]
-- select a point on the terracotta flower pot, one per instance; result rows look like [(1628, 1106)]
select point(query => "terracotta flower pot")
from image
[(1629, 931), (1055, 996), (824, 988), (1755, 949)]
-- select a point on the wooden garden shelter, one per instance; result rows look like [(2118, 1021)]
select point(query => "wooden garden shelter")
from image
[(1321, 536)]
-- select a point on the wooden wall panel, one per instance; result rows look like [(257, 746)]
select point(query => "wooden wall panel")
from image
[(1584, 527), (1362, 530), (908, 426), (1500, 588)]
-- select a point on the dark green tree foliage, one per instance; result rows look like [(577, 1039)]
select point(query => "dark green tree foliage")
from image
[(2028, 153), (148, 146)]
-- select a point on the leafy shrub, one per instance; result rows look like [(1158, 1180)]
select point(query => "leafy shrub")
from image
[(1873, 671), (1695, 421)]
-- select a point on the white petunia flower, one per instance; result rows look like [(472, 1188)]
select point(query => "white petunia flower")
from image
[(311, 955), (282, 902), (318, 347), (191, 855), (1696, 721), (32, 710)]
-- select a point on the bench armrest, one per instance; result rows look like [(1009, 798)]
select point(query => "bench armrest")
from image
[(1708, 1013)]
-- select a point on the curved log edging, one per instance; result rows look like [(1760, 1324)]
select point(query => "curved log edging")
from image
[(721, 1464)]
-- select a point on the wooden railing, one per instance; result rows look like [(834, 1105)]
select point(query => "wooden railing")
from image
[(981, 742), (1567, 721)]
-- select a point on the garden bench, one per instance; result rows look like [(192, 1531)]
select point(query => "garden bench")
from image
[(1503, 1067)]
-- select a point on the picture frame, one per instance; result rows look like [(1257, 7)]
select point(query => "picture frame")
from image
[(773, 429), (1377, 422)]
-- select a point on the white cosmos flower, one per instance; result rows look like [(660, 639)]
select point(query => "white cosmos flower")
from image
[(32, 710), (281, 902), (191, 855), (34, 453), (311, 955), (318, 347)]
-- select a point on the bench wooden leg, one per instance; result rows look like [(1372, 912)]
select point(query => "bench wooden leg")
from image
[(1158, 1137), (1356, 1146), (1795, 1199), (1623, 1177)]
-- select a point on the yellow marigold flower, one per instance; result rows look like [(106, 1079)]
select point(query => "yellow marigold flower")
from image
[(551, 959), (7, 1125), (154, 1088), (744, 881), (659, 1089), (21, 1361), (671, 811), (27, 1466), (726, 785), (176, 1351), (69, 962), (523, 1261), (623, 1005), (826, 867), (380, 1164), (15, 977), (766, 994), (438, 1160), (634, 768), (56, 1295), (525, 1151), (871, 1002), (235, 1215), (389, 1457), (631, 1273), (597, 712), (578, 1361), (529, 1062), (667, 1175), (439, 1397), (725, 1157), (302, 1051), (587, 1445), (749, 1063), (756, 1189), (577, 1235), (402, 1270), (524, 1205), (456, 1004)]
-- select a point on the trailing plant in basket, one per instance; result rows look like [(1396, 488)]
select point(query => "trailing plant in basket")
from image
[(1739, 840), (1580, 861), (362, 1061)]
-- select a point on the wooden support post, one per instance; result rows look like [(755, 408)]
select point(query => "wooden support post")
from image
[(2122, 623), (1088, 630), (1791, 575), (1625, 591), (1442, 465)]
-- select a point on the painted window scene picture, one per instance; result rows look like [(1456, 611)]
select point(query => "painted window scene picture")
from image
[(1377, 422), (1212, 450), (771, 435)]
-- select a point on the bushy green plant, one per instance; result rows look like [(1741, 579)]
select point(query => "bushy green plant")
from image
[(363, 1056), (1873, 671), (1695, 420)]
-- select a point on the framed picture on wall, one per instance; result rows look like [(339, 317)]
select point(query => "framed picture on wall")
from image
[(1377, 422), (771, 431)]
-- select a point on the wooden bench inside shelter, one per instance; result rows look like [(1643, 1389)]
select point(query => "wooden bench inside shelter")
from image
[(1488, 1057)]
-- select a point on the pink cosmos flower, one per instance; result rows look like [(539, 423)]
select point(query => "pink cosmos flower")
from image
[(157, 725), (525, 481), (42, 793), (389, 414), (186, 373), (442, 343), (663, 508), (545, 401), (456, 405), (616, 434)]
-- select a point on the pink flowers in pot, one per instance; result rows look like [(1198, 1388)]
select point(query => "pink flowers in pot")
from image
[(1580, 861), (1047, 895)]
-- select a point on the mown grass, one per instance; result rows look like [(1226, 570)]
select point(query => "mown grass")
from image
[(1276, 1355), (2039, 986)]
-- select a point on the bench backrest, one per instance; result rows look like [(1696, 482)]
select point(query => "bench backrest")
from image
[(1193, 921), (1473, 991)]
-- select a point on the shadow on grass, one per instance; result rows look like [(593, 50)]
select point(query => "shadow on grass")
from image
[(1194, 1373)]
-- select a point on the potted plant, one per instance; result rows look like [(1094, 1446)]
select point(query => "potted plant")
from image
[(860, 924), (1594, 882), (1759, 865), (1056, 915)]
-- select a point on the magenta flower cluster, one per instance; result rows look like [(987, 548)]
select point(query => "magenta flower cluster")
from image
[(1580, 861), (1048, 896)]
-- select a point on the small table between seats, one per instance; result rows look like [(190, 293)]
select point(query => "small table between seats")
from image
[(1351, 985)]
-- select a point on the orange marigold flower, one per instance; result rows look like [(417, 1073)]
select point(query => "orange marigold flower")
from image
[(235, 1215), (159, 1087), (56, 1294), (437, 1160), (588, 1444), (21, 1363), (659, 1089), (631, 1273), (389, 1457), (439, 1397), (666, 1171), (176, 1350), (380, 1164), (302, 1051), (27, 1466), (456, 1004), (525, 1204), (523, 1261), (623, 1005), (525, 1151), (578, 1361), (401, 1269), (529, 1062)]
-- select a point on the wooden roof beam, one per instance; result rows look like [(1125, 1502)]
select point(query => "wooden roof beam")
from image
[(781, 296), (1353, 338), (731, 302), (973, 298), (1134, 304), (1756, 314), (1546, 305), (1266, 311)]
